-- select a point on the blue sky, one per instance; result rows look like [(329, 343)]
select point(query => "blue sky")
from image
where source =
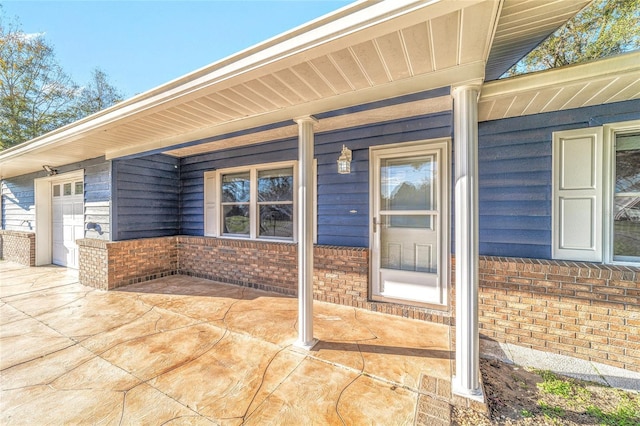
[(142, 44)]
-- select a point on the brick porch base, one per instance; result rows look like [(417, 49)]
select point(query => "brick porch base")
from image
[(584, 310), (18, 246)]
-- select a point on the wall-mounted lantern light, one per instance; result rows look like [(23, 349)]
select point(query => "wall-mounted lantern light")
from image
[(50, 170), (344, 161)]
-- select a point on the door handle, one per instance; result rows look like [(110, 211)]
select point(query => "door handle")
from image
[(375, 224)]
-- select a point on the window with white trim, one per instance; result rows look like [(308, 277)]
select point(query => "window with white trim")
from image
[(256, 202), (596, 194), (626, 198)]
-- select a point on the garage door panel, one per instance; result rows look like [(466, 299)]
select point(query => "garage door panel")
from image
[(78, 210)]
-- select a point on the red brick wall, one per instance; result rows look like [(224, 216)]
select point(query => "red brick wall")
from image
[(93, 264), (264, 265), (18, 246), (108, 265), (341, 275), (585, 310)]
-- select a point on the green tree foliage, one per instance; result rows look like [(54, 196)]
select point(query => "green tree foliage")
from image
[(36, 95), (97, 95), (604, 28)]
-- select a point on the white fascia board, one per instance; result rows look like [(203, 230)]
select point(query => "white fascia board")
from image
[(348, 20), (472, 73), (560, 77)]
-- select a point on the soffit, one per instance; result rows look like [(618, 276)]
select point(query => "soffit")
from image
[(361, 118), (524, 24), (610, 80)]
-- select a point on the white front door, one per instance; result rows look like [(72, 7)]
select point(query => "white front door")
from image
[(408, 235), (67, 208)]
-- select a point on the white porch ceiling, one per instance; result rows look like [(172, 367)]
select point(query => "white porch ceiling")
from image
[(362, 53)]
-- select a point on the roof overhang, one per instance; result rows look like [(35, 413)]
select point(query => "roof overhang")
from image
[(600, 82), (364, 52)]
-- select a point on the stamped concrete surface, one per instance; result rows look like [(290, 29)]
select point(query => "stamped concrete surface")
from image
[(182, 350)]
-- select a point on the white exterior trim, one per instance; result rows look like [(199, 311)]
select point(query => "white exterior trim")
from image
[(609, 157), (213, 200), (43, 221)]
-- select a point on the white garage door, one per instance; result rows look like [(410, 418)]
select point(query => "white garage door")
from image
[(67, 221)]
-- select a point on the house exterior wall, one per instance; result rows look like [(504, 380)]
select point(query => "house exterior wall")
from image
[(343, 200), (584, 310), (270, 266), (18, 203), (515, 167), (97, 200), (18, 208), (146, 197), (581, 309), (107, 265)]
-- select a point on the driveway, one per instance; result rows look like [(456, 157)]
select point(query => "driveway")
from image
[(183, 350)]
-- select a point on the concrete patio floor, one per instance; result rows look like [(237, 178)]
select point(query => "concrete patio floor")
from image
[(183, 350)]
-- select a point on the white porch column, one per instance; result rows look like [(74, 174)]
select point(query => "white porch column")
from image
[(466, 381), (305, 232)]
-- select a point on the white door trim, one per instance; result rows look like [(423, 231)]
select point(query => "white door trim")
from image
[(444, 250), (43, 201)]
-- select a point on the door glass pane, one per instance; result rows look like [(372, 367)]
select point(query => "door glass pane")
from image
[(626, 214), (67, 189), (408, 183), (412, 222), (235, 187), (56, 190), (411, 246), (275, 185), (235, 219), (276, 220), (79, 188)]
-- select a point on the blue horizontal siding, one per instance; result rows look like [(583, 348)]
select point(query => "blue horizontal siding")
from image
[(18, 197), (515, 172), (97, 199), (192, 175), (18, 203), (515, 167), (146, 197), (337, 194)]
